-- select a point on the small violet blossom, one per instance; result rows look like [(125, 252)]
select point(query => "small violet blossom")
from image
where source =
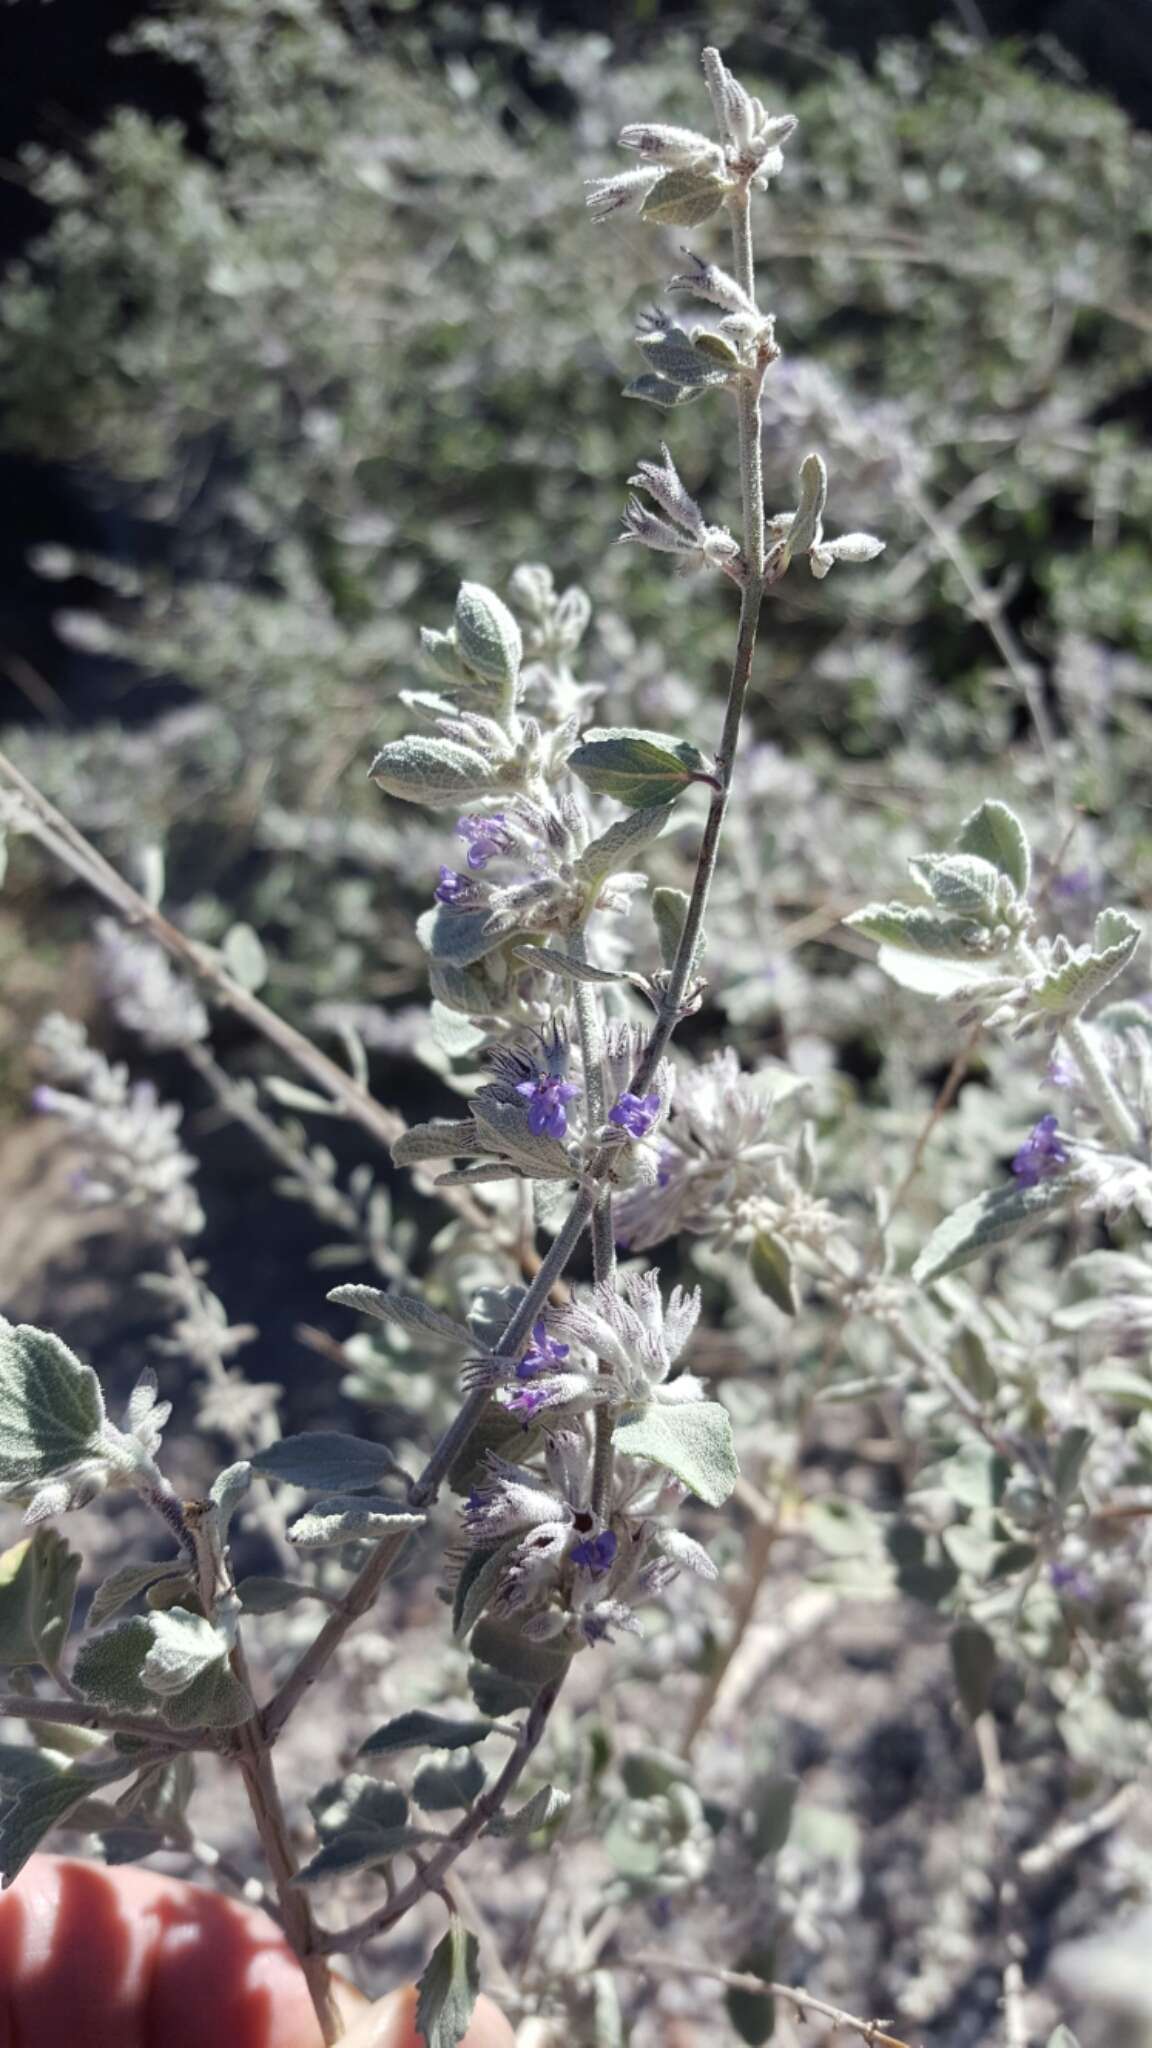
[(485, 837), (451, 888), (543, 1354), (546, 1097), (635, 1114), (596, 1555), (1041, 1155)]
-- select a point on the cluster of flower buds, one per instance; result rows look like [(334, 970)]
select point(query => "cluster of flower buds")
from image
[(683, 175)]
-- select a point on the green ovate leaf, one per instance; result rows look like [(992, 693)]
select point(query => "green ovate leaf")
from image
[(37, 1592), (753, 2013), (418, 1729), (692, 1439), (994, 833), (960, 884), (127, 1583), (907, 928), (51, 1407), (44, 1802), (618, 847), (440, 1787), (326, 1461), (770, 1263), (641, 769), (438, 772), (768, 1817), (1067, 989), (974, 1664), (448, 1988), (671, 354), (684, 198), (669, 910), (540, 1811), (987, 1221), (404, 1311), (487, 636), (262, 1593)]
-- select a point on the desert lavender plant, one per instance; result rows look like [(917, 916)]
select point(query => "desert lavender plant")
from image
[(580, 1431)]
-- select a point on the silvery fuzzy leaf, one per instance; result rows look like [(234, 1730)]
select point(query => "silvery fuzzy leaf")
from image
[(448, 1988), (487, 635), (660, 391), (471, 1175), (960, 884), (1124, 1015), (226, 1493), (108, 1667), (617, 847), (432, 771), (544, 1807), (359, 1802), (440, 1787), (671, 354), (439, 652), (770, 1264), (994, 833), (987, 1221), (684, 198), (495, 1693), (244, 956), (419, 1729), (264, 1593), (553, 961), (215, 1699), (507, 1650), (350, 1518), (326, 1460), (669, 909), (684, 1550), (643, 770), (182, 1648), (1066, 990), (462, 937), (910, 929), (491, 1312), (44, 1803), (806, 522), (693, 1440), (404, 1312), (37, 1591), (928, 977), (480, 1576), (355, 1849), (505, 1124), (51, 1408), (127, 1583), (451, 1138)]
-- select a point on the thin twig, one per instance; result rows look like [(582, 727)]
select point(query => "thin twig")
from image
[(78, 1714), (805, 2003), (53, 830)]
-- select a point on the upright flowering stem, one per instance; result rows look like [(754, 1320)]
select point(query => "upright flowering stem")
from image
[(587, 1005), (751, 599)]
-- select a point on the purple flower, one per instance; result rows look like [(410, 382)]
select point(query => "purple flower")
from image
[(1041, 1155), (546, 1097), (543, 1354), (596, 1554), (635, 1114), (1062, 1072), (451, 888), (1076, 882), (1070, 1580), (527, 1401), (485, 837)]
